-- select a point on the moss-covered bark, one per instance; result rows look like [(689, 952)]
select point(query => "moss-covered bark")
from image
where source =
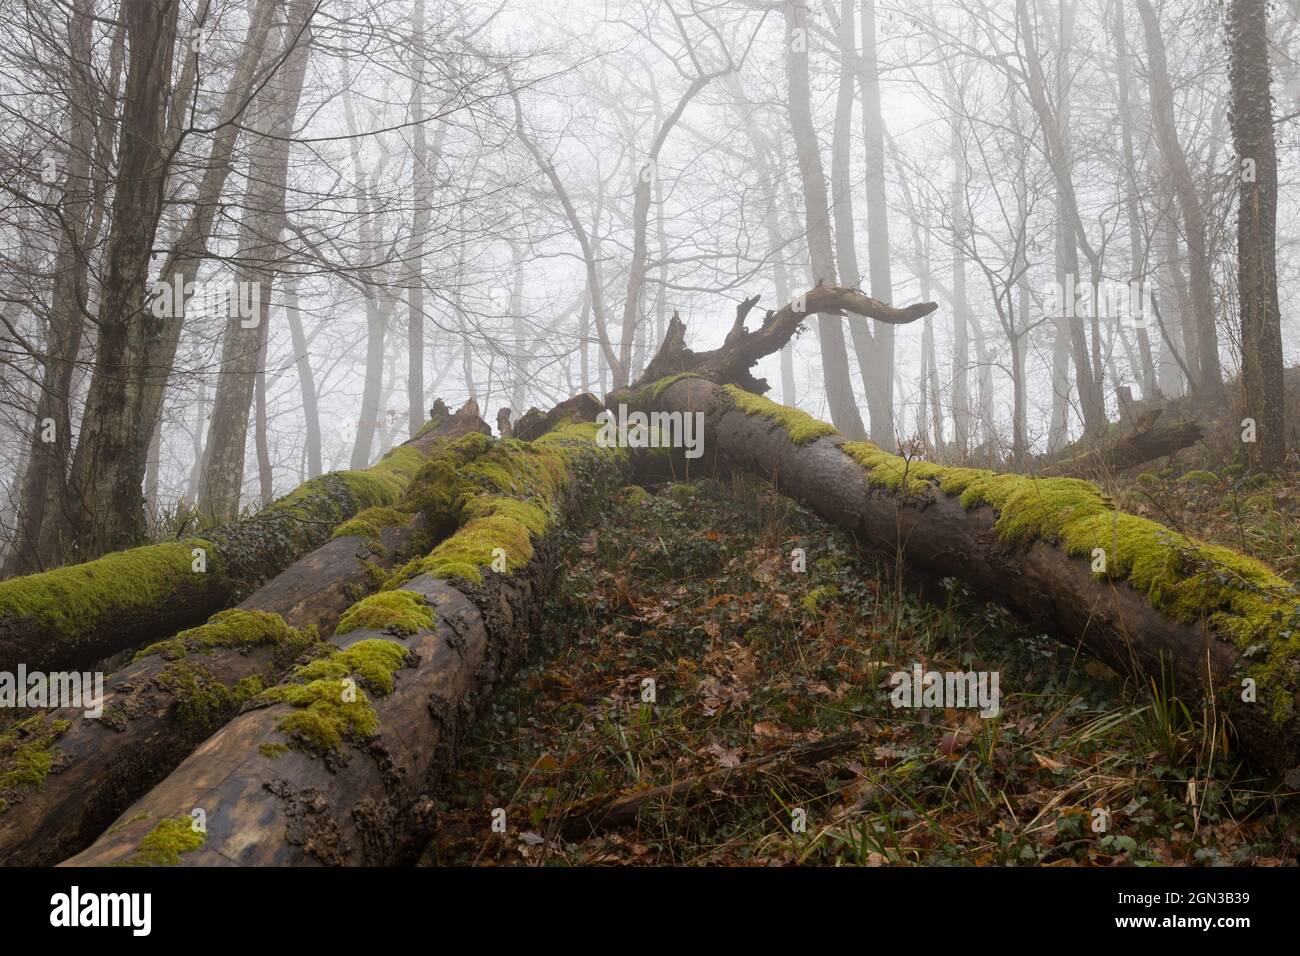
[(179, 690), (340, 763), (73, 616)]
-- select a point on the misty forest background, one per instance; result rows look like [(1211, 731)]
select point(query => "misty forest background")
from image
[(508, 202)]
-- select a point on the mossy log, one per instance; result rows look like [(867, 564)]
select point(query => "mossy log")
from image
[(73, 616), (1146, 442), (340, 763), (535, 423), (1222, 624), (177, 692)]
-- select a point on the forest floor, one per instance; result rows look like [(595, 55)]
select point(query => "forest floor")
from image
[(751, 659)]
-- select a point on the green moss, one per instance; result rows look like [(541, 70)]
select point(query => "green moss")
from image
[(27, 755), (1187, 580), (399, 612), (373, 662), (371, 523), (819, 596), (655, 389), (800, 426), (891, 471), (67, 602), (533, 517), (384, 482), (574, 445), (235, 628), (635, 495), (439, 484), (503, 495), (323, 715), (167, 842), (272, 751), (202, 701), (471, 549)]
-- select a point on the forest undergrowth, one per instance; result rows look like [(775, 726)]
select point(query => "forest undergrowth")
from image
[(754, 664)]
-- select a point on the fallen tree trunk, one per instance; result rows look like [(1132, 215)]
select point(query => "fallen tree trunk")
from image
[(339, 763), (176, 693), (1159, 601), (73, 616), (1145, 443), (731, 362)]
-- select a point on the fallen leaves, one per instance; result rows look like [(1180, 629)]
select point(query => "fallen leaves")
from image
[(702, 601)]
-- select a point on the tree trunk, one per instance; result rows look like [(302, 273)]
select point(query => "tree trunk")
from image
[(265, 475), (961, 417), (1261, 316), (425, 160), (877, 387), (1145, 443), (242, 347), (76, 615), (1137, 272), (151, 476), (107, 508), (306, 381), (879, 382), (835, 360), (646, 176), (1209, 384), (137, 348), (159, 707), (44, 486), (1071, 234), (279, 788)]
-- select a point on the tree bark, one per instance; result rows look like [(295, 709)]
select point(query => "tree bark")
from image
[(108, 467), (1137, 257), (136, 348), (1145, 443), (76, 615), (44, 487), (425, 160), (370, 798), (879, 382), (306, 380), (242, 347), (1261, 316), (835, 359), (1209, 383), (731, 362), (163, 704)]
